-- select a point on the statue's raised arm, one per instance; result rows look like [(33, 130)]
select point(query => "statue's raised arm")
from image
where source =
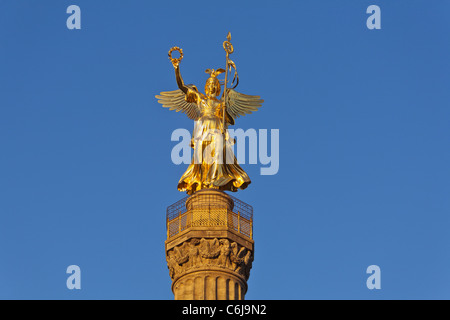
[(186, 99)]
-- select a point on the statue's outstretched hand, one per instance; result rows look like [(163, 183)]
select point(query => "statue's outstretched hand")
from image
[(175, 61)]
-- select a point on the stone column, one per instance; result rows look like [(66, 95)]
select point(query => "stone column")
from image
[(210, 259)]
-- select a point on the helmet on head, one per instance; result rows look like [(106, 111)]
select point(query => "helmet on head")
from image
[(213, 79)]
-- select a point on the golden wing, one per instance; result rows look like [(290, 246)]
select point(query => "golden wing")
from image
[(176, 100), (239, 104)]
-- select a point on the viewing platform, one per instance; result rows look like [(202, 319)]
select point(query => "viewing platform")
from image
[(209, 210)]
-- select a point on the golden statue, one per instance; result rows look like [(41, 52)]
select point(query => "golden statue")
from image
[(213, 164)]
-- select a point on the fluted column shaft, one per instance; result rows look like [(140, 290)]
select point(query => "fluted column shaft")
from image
[(209, 285)]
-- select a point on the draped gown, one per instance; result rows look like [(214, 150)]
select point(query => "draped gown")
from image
[(214, 164)]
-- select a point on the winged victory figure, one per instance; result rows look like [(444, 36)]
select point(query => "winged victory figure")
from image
[(213, 163)]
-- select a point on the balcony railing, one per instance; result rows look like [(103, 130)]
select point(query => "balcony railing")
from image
[(210, 213)]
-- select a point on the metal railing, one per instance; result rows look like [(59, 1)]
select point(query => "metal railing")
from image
[(210, 213)]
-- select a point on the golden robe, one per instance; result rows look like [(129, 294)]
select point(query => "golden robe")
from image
[(213, 163)]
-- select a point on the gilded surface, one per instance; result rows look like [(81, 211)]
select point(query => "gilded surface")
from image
[(213, 165)]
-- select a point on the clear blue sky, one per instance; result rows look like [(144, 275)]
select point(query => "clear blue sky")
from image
[(85, 168)]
